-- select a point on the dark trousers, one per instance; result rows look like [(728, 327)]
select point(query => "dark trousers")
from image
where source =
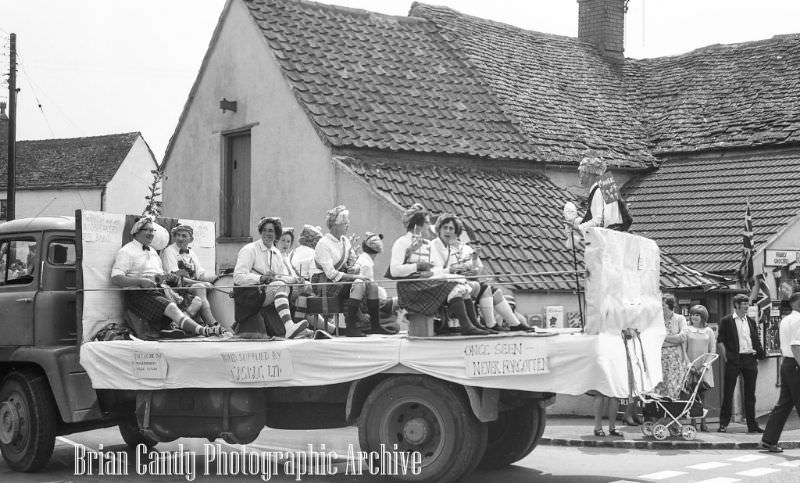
[(747, 366), (788, 399)]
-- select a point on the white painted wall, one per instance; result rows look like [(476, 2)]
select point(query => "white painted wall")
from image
[(62, 202), (292, 173), (126, 191)]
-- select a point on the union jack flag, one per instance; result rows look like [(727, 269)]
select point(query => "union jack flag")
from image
[(746, 265)]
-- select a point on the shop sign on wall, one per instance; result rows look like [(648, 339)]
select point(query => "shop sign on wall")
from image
[(781, 258)]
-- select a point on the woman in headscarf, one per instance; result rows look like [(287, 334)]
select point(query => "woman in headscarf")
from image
[(261, 263), (423, 287), (339, 275), (180, 260)]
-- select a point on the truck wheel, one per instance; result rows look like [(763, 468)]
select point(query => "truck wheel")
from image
[(419, 413), (513, 435), (28, 421), (129, 430)]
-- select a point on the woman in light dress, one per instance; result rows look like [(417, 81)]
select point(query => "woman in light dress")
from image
[(700, 339)]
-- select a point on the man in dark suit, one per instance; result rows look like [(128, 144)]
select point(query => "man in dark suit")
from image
[(740, 350)]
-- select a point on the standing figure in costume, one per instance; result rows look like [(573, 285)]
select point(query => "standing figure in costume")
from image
[(422, 287), (261, 263), (340, 276), (180, 260), (137, 265), (612, 215)]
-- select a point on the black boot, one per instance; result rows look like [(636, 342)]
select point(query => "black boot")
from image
[(469, 305), (351, 318), (457, 307), (374, 309)]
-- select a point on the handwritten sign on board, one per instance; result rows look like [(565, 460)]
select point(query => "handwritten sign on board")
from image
[(258, 366), (149, 365), (608, 187), (513, 358), (99, 227)]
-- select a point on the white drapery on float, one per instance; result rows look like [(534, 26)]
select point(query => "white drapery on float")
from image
[(621, 292)]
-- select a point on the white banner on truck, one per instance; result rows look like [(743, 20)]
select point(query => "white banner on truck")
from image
[(259, 366), (149, 365), (506, 358)]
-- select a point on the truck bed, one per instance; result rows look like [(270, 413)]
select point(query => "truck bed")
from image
[(565, 363)]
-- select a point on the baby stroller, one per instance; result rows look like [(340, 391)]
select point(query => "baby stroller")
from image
[(663, 414)]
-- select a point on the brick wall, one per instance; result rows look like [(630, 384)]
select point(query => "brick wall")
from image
[(602, 23)]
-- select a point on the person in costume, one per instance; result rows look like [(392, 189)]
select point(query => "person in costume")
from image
[(137, 265), (612, 215), (370, 248), (423, 287), (457, 257), (180, 260), (261, 263), (339, 274)]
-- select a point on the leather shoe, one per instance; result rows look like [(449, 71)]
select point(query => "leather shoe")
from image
[(772, 448), (722, 429), (755, 429)]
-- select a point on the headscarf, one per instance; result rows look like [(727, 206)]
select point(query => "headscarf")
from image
[(179, 227), (373, 242), (337, 215), (310, 236), (140, 224), (595, 166), (411, 211)]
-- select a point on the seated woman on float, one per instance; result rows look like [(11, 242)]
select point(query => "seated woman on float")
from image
[(457, 257), (179, 259), (260, 263), (336, 259), (422, 286)]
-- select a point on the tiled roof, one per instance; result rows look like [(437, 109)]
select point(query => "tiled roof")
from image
[(515, 217), (73, 162), (694, 208), (570, 102), (440, 81), (722, 96), (368, 80)]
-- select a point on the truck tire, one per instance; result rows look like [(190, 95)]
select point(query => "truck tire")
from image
[(419, 413), (129, 430), (28, 420), (513, 435)]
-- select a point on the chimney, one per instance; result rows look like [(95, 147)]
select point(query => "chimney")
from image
[(602, 24)]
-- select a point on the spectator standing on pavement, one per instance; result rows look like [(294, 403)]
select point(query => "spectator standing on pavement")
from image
[(673, 355), (740, 350), (790, 378), (700, 339)]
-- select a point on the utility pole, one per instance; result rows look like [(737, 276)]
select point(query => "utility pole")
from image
[(12, 131)]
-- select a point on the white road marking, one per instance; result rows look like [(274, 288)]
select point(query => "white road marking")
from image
[(662, 475), (790, 464), (748, 458), (708, 466), (721, 479), (758, 472)]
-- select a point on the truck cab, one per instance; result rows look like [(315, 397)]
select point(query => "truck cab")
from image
[(44, 391)]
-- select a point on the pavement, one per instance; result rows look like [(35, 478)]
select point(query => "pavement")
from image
[(579, 431)]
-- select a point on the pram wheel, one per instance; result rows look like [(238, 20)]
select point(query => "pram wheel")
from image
[(647, 428), (660, 430), (688, 432)]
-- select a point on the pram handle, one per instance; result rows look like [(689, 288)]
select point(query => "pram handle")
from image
[(712, 356)]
